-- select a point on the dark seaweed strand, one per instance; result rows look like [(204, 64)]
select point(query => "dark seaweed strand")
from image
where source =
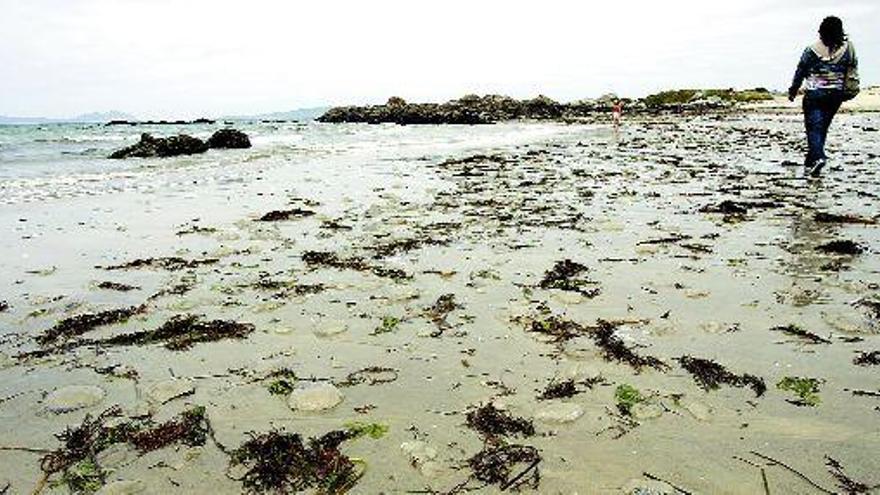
[(709, 375)]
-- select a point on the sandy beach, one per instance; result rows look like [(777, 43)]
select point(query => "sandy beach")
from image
[(670, 307)]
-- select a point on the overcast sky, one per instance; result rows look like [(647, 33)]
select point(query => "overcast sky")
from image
[(187, 58)]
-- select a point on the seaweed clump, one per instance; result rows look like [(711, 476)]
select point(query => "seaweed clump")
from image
[(492, 422), (563, 277), (824, 217), (171, 263), (403, 246), (566, 388), (844, 481), (844, 247), (560, 329), (559, 390), (495, 465), (333, 260), (867, 359), (80, 324), (107, 285), (613, 349), (807, 390), (709, 375), (280, 462), (180, 333), (279, 215), (282, 381), (438, 312), (77, 459), (189, 428), (626, 397), (796, 331)]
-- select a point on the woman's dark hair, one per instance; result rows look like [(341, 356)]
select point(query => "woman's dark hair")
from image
[(831, 32)]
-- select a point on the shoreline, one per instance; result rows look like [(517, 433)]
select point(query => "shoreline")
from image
[(335, 249)]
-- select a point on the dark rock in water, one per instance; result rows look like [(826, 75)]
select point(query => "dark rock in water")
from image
[(120, 122), (846, 247), (198, 121), (150, 146), (229, 138)]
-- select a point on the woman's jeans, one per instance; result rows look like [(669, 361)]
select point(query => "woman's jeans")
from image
[(819, 110)]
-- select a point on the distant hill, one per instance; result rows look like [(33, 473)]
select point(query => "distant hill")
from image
[(94, 117), (300, 114)]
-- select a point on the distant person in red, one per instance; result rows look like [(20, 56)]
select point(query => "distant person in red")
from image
[(616, 112)]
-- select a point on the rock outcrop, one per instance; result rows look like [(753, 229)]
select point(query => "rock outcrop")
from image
[(229, 138), (474, 109), (182, 144), (470, 109), (150, 146)]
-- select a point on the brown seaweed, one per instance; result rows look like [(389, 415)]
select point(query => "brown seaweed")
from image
[(824, 217), (171, 263), (796, 331), (280, 462), (492, 422), (180, 333), (495, 465), (559, 390), (80, 324), (560, 329), (709, 375), (846, 484), (189, 428), (867, 359), (107, 285), (279, 215), (567, 388), (438, 312), (842, 247), (333, 260), (401, 246), (77, 459), (563, 277), (614, 349)]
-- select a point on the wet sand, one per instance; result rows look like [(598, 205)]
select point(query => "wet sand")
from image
[(482, 213)]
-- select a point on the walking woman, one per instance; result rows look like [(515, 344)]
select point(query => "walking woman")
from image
[(829, 69)]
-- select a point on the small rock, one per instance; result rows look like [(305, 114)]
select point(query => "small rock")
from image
[(581, 371), (560, 412), (648, 487), (568, 298), (699, 410), (422, 456), (330, 329), (166, 391), (74, 397), (318, 397), (123, 487), (647, 411), (6, 361)]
